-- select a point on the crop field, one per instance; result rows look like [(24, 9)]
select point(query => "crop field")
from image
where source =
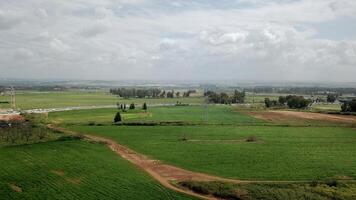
[(238, 142), (211, 114), (32, 100), (279, 153), (73, 170)]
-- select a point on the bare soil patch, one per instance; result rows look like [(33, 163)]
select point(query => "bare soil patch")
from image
[(15, 188), (58, 172), (12, 117), (283, 116)]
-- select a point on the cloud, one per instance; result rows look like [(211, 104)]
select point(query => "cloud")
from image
[(9, 19), (23, 54), (259, 39), (98, 27), (57, 45)]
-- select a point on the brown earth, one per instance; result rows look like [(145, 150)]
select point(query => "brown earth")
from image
[(15, 188), (11, 117), (282, 116)]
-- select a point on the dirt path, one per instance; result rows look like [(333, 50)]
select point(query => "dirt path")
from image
[(294, 115)]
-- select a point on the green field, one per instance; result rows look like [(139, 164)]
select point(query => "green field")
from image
[(210, 114), (32, 100), (280, 153), (212, 140), (73, 170)]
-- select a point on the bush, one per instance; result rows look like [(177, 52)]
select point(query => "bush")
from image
[(91, 123), (332, 183), (217, 189), (251, 138)]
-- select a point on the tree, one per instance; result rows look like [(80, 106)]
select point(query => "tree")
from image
[(349, 106), (177, 94), (282, 100), (117, 117), (297, 102), (331, 98), (238, 97), (132, 106), (144, 106), (267, 102)]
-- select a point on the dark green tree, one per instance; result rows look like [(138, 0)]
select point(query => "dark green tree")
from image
[(132, 106), (117, 117), (267, 102), (144, 106), (331, 98), (282, 100)]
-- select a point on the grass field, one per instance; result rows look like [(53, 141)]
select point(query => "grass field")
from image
[(281, 153), (300, 150), (211, 114), (73, 170), (32, 100)]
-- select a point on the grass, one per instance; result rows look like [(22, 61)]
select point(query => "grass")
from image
[(73, 170), (31, 99), (274, 191), (326, 107), (280, 153), (212, 114)]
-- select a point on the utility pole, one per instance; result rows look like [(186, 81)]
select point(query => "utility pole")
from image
[(13, 98)]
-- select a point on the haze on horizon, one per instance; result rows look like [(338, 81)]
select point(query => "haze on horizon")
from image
[(290, 40)]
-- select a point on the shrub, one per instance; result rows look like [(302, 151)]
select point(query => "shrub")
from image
[(91, 123), (332, 183), (251, 138)]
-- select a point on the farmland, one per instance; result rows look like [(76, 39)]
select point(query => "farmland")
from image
[(242, 142), (73, 170), (32, 99)]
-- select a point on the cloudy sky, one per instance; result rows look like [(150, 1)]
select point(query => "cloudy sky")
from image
[(289, 40)]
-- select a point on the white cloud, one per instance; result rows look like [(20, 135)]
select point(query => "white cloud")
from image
[(153, 39), (57, 45), (8, 19), (98, 27)]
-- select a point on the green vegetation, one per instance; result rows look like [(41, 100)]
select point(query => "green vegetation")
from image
[(280, 153), (221, 140), (219, 114), (73, 169), (276, 191), (32, 99)]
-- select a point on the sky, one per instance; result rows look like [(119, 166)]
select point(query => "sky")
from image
[(262, 40)]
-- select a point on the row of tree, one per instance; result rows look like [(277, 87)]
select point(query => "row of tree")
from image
[(122, 107), (301, 90), (292, 101), (131, 106), (224, 98), (22, 133), (148, 93), (349, 106)]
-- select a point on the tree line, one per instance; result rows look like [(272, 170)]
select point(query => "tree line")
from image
[(349, 106), (148, 93), (292, 101), (302, 90), (224, 98), (22, 132)]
